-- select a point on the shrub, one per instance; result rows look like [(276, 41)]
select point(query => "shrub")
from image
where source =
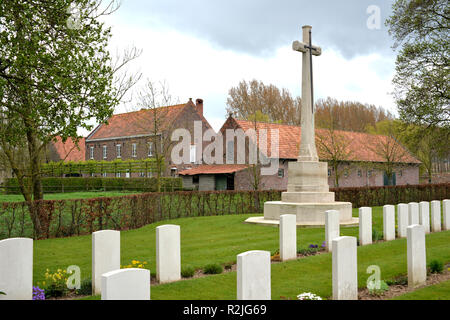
[(373, 290), (377, 235), (188, 272), (55, 284), (75, 184), (85, 288), (436, 266), (214, 268)]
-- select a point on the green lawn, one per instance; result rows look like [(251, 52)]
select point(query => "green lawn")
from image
[(219, 239), (69, 195), (439, 291)]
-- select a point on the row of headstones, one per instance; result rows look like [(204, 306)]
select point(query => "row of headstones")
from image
[(253, 267), (16, 266), (113, 283), (407, 215)]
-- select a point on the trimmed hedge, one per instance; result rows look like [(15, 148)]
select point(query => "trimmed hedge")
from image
[(65, 218), (57, 185)]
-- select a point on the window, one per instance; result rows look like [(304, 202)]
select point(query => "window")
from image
[(329, 172), (400, 173), (359, 173), (134, 150), (193, 155), (119, 150), (105, 152), (346, 173), (91, 153), (173, 172), (196, 179), (104, 174), (142, 174), (280, 173), (369, 173), (230, 152), (150, 149), (118, 174)]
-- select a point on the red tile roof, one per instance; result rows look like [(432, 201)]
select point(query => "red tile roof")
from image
[(356, 143), (69, 151), (136, 123), (214, 169)]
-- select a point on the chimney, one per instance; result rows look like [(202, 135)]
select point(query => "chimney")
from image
[(199, 106)]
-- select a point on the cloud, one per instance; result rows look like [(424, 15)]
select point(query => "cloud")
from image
[(259, 27)]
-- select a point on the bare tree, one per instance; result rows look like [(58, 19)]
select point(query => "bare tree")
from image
[(255, 99), (334, 145), (156, 98)]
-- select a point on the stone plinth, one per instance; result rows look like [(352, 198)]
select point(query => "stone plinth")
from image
[(307, 198)]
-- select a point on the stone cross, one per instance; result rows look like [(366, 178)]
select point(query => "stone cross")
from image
[(308, 151)]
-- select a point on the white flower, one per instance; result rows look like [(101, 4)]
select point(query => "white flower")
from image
[(308, 296)]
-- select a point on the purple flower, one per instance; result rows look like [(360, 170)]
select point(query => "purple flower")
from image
[(313, 246), (38, 293), (323, 244)]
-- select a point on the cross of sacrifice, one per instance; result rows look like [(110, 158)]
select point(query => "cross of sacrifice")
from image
[(308, 151)]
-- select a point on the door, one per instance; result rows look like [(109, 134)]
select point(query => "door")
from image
[(221, 182), (392, 182)]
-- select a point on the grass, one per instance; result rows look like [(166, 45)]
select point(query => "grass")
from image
[(69, 195), (207, 240), (439, 291)]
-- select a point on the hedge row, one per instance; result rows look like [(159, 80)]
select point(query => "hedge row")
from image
[(57, 185), (59, 169), (64, 218)]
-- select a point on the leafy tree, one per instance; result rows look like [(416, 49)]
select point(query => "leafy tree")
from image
[(421, 28), (255, 99), (388, 147), (56, 74)]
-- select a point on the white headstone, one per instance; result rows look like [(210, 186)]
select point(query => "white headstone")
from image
[(331, 227), (253, 276), (105, 256), (126, 284), (436, 216), (417, 260), (365, 226), (288, 237), (168, 253), (413, 213), (389, 222), (345, 269), (16, 269), (446, 207), (424, 215), (402, 219)]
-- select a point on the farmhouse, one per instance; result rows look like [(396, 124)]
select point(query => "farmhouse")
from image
[(142, 134), (362, 162)]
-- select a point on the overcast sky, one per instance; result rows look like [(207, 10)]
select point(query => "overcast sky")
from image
[(202, 48)]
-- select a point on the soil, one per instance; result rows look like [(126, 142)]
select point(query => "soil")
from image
[(398, 290)]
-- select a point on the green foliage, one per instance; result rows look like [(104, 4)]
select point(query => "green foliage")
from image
[(56, 185), (187, 272), (55, 77), (377, 235), (85, 288), (55, 284), (379, 291), (214, 268), (422, 73), (59, 169), (436, 266), (398, 281)]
